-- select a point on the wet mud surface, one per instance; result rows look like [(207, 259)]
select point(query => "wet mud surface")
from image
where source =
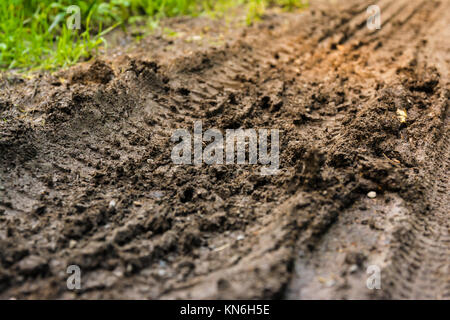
[(86, 175)]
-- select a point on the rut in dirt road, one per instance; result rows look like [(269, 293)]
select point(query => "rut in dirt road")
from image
[(86, 174), (417, 260), (420, 264)]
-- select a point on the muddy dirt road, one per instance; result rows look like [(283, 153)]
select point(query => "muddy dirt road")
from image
[(86, 175)]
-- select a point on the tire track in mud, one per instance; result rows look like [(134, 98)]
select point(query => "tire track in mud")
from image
[(421, 258), (409, 274), (223, 232), (419, 262), (397, 15)]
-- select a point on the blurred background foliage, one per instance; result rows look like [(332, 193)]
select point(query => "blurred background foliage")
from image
[(34, 33)]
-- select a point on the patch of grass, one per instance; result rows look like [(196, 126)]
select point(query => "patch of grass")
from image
[(292, 4), (34, 34)]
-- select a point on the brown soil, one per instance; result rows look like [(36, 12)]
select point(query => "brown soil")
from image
[(74, 141)]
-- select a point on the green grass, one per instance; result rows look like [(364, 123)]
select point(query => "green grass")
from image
[(34, 33)]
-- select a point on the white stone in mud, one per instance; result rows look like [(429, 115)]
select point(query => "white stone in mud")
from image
[(372, 194)]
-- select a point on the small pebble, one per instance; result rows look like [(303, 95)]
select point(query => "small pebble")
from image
[(72, 244), (372, 194), (330, 283), (157, 194), (240, 237), (353, 268), (112, 206), (162, 264), (195, 38), (118, 272), (162, 272)]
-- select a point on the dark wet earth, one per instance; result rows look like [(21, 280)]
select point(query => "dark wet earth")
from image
[(86, 176)]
